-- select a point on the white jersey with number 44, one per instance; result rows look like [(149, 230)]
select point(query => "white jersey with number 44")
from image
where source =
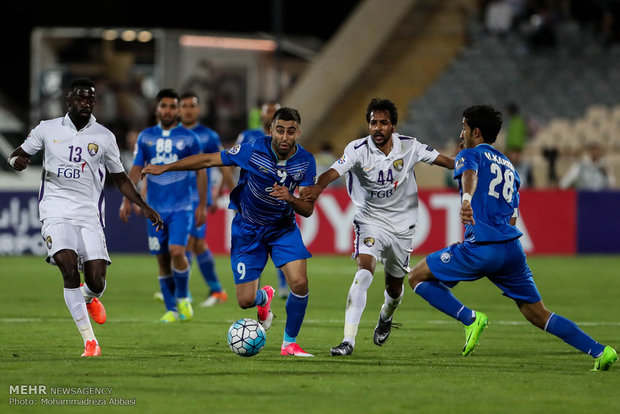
[(383, 187), (74, 167)]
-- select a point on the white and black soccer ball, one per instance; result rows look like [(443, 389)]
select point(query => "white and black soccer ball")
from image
[(246, 337)]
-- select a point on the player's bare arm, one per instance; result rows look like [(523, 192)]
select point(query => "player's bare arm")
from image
[(227, 183), (129, 191), (227, 179), (311, 193), (469, 181), (125, 209), (444, 161), (304, 208), (194, 162), (200, 215), (19, 159)]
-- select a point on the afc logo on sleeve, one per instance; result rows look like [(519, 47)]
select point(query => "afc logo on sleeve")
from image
[(459, 163), (234, 150)]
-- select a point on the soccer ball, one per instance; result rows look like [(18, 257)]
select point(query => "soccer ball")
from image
[(246, 337)]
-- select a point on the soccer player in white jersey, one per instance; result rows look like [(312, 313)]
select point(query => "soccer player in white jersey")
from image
[(71, 207), (381, 183)]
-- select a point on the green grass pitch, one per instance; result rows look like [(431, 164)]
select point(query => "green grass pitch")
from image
[(187, 367)]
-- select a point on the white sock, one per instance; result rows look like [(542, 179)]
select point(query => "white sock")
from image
[(356, 302), (77, 306), (89, 295), (390, 305)]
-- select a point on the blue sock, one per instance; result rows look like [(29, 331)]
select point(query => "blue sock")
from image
[(569, 332), (166, 284), (440, 297), (261, 297), (295, 312), (281, 280), (181, 281), (207, 269)]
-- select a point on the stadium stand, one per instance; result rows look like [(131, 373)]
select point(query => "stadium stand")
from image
[(570, 91)]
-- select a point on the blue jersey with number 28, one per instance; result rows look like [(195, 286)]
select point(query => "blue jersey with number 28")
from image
[(496, 198)]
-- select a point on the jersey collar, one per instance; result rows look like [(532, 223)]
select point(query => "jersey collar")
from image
[(166, 132), (396, 145), (69, 123), (280, 162)]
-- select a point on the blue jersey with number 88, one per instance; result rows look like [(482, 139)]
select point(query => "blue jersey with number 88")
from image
[(496, 198)]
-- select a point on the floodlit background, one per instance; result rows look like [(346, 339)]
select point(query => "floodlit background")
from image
[(552, 67)]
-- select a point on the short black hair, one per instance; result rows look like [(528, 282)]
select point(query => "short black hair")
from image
[(189, 94), (287, 114), (378, 104), (167, 93), (81, 82), (77, 82), (486, 118)]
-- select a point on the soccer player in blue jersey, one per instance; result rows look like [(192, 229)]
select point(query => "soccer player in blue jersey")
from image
[(272, 168), (170, 194), (249, 135), (489, 185), (267, 110), (210, 142)]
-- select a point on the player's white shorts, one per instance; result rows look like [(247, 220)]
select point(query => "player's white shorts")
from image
[(85, 238), (394, 252)]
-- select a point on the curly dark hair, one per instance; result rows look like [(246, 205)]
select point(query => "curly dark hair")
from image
[(378, 104)]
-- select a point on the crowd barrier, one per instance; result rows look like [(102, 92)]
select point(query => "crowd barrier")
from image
[(552, 221)]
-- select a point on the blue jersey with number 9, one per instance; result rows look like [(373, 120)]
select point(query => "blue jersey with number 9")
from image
[(496, 198)]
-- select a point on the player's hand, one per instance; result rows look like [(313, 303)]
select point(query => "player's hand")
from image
[(154, 217), (310, 193), (20, 163), (153, 170), (467, 214), (125, 210), (281, 193), (200, 215)]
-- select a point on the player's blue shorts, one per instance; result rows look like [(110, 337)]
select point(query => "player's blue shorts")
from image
[(200, 231), (503, 264), (177, 226), (251, 246)]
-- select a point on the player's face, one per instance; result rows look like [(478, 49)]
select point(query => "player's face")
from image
[(81, 101), (380, 127), (284, 134), (189, 111), (467, 135), (168, 112)]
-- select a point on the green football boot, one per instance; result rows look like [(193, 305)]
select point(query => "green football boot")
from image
[(170, 316), (473, 332), (186, 312), (606, 360)]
